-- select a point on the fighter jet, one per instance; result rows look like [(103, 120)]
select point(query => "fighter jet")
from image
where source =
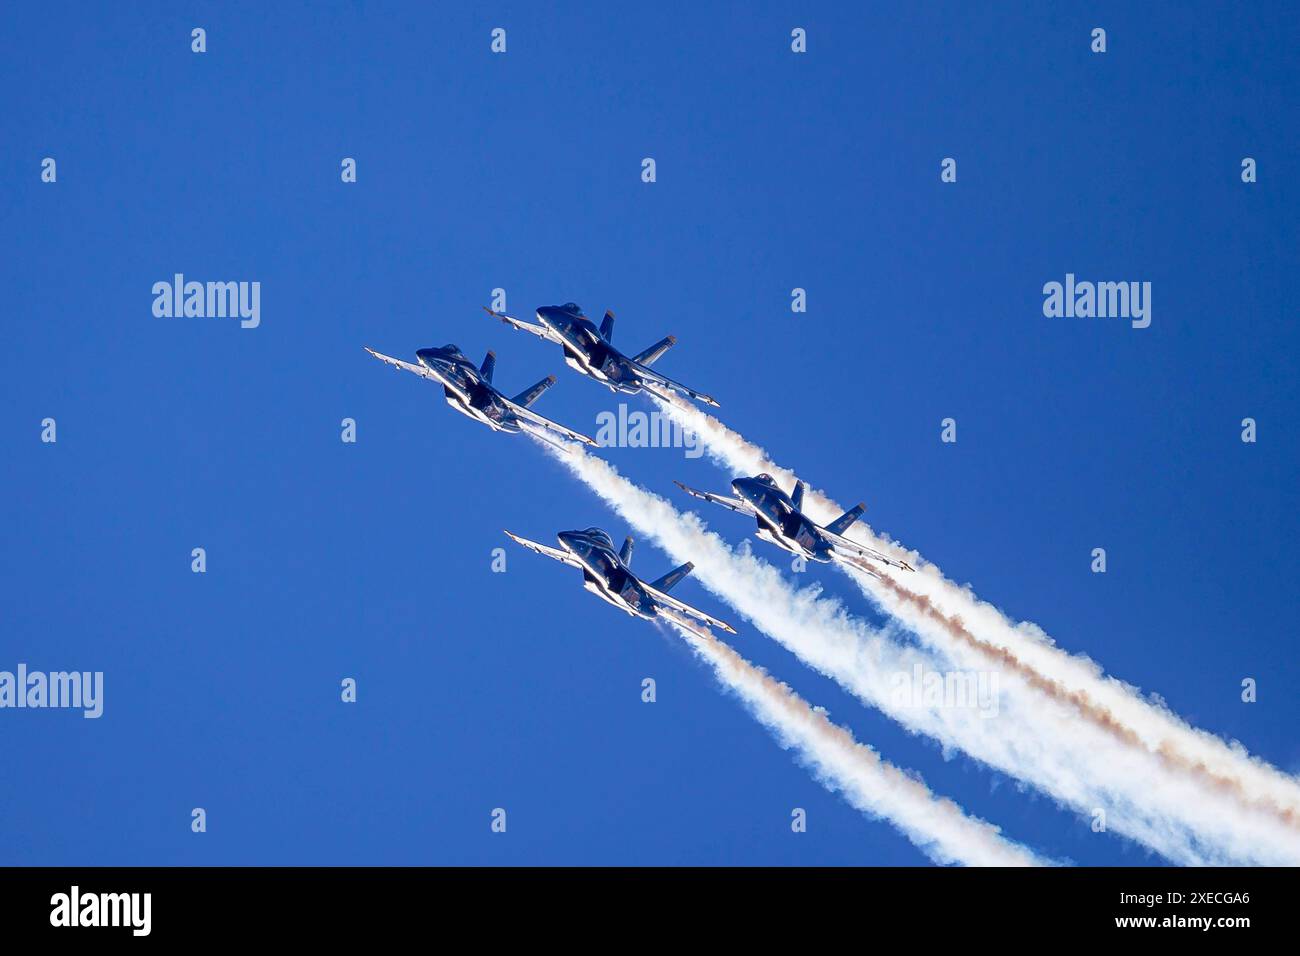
[(605, 574), (589, 350), (782, 522), (470, 391)]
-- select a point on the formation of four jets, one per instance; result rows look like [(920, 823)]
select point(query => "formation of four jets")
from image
[(607, 573)]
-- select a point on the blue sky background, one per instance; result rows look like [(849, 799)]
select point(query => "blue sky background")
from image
[(522, 171)]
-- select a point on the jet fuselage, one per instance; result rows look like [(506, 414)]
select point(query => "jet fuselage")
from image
[(586, 350), (780, 522), (604, 573), (485, 404)]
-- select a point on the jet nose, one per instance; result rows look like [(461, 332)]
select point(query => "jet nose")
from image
[(744, 487), (431, 356), (567, 538)]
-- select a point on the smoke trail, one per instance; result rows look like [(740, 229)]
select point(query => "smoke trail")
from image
[(937, 826), (939, 610), (1034, 739), (1083, 703)]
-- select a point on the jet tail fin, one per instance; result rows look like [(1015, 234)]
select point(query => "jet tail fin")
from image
[(842, 523), (625, 552), (530, 395), (489, 366), (797, 497), (655, 351), (607, 326), (666, 582)]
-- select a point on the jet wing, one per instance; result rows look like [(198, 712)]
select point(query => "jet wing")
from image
[(421, 371), (672, 608), (555, 553), (398, 363), (844, 546), (528, 415), (735, 504), (540, 331), (663, 386), (543, 435), (856, 563), (685, 623)]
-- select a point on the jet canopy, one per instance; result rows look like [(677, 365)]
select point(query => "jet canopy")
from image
[(450, 350), (600, 536)]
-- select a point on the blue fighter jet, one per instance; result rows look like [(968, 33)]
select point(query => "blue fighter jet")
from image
[(590, 350), (470, 391), (782, 522), (606, 574)]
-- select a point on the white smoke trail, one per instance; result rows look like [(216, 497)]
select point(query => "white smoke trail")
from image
[(929, 604), (937, 826), (1034, 739)]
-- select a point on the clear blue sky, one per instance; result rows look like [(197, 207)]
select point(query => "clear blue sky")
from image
[(519, 690)]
